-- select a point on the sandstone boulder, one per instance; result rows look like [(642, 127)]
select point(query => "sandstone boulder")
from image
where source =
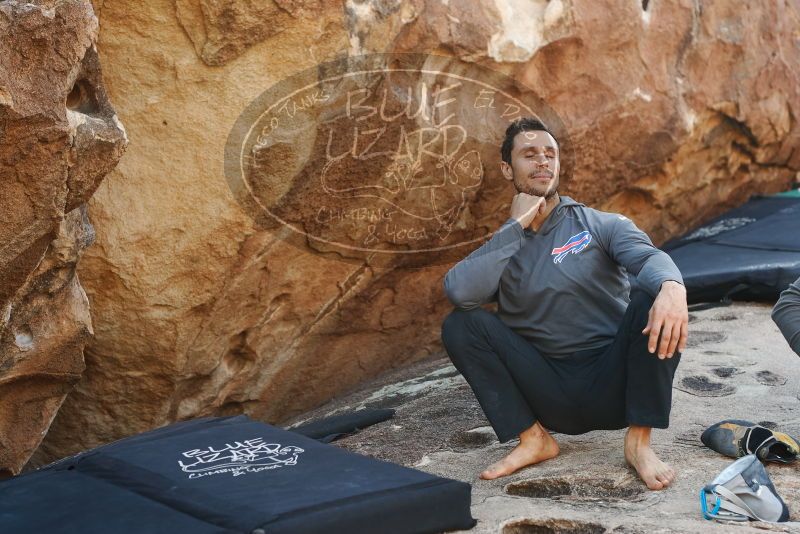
[(676, 110), (59, 137)]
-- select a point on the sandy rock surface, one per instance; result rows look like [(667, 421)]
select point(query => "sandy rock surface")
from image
[(736, 365)]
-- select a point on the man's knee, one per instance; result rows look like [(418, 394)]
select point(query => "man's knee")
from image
[(665, 365), (639, 306), (459, 324)]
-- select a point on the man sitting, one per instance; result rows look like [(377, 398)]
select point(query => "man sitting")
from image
[(786, 315), (571, 348)]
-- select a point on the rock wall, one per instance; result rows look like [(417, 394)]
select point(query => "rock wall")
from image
[(59, 137), (677, 110)]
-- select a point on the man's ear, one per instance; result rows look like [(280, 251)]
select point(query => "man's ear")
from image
[(508, 172)]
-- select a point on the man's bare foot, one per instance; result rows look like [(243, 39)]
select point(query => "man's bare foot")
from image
[(655, 473), (535, 445)]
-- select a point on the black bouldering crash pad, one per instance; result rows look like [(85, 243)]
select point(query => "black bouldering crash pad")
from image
[(748, 253), (69, 501), (232, 475), (333, 427)]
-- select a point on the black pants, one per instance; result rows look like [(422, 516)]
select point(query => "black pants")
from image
[(612, 387)]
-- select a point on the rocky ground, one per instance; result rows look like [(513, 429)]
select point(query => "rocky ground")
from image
[(736, 366)]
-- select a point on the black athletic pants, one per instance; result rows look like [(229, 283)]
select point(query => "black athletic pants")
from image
[(611, 387)]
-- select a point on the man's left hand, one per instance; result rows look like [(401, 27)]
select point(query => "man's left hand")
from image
[(668, 317)]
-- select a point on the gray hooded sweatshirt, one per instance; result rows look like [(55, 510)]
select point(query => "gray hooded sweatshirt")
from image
[(564, 287), (786, 315)]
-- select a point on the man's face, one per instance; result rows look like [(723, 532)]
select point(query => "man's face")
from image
[(534, 164)]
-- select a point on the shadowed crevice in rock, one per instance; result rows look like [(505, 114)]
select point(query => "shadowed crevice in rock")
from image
[(82, 98), (578, 489), (552, 526)]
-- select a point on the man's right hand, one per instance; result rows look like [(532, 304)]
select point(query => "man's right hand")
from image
[(525, 207)]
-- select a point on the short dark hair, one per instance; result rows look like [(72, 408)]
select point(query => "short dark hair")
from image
[(524, 124)]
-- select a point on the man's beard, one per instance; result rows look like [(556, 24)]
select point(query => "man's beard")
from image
[(548, 191)]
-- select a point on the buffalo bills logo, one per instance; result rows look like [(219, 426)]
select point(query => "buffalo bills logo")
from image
[(575, 244)]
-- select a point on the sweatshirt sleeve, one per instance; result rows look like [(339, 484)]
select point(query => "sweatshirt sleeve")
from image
[(786, 315), (631, 248), (475, 279)]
